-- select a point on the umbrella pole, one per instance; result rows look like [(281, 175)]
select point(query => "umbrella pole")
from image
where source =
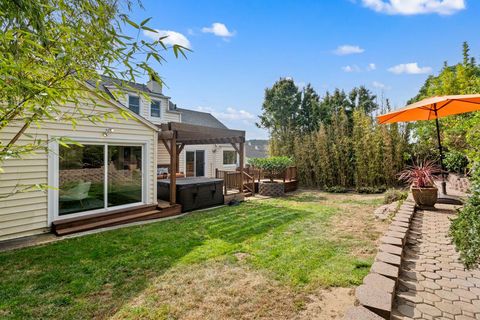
[(444, 183)]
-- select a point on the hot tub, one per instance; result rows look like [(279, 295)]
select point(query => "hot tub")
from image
[(193, 193)]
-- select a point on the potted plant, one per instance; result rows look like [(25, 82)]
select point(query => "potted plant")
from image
[(272, 167), (421, 178)]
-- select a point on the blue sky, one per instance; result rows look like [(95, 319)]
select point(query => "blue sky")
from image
[(242, 47)]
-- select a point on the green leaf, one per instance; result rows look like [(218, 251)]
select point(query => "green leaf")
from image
[(144, 22)]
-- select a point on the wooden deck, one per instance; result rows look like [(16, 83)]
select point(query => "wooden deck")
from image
[(113, 218)]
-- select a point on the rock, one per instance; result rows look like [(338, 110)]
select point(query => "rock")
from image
[(360, 313), (374, 299), (380, 282), (385, 269), (390, 240), (391, 249), (389, 258)]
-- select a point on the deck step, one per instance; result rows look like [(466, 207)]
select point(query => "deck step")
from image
[(61, 228), (109, 222)]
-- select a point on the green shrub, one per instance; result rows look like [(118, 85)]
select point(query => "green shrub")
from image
[(456, 161), (393, 195), (272, 166), (336, 189), (370, 190), (465, 228)]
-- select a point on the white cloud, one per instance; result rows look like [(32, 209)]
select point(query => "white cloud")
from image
[(380, 85), (352, 68), (218, 29), (412, 7), (371, 67), (409, 68), (172, 37), (229, 114), (348, 49)]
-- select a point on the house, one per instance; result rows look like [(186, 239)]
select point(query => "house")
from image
[(112, 178), (194, 160), (115, 170)]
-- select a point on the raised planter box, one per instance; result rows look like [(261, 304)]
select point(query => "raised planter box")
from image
[(269, 189)]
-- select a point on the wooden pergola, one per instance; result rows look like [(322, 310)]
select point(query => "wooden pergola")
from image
[(175, 136)]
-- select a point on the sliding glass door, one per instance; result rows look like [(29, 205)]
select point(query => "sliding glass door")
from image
[(195, 163), (124, 175), (81, 178), (85, 183)]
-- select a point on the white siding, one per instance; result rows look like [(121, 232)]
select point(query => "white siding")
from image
[(213, 156), (165, 114), (163, 157), (24, 214)]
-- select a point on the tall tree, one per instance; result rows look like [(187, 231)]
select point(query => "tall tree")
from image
[(459, 132), (280, 112), (308, 118)]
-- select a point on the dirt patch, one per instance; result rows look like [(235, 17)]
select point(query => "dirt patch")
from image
[(357, 216), (219, 290), (328, 304)]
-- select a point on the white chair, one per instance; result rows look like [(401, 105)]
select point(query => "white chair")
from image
[(76, 193)]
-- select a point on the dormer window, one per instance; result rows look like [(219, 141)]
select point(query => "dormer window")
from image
[(155, 109), (134, 104)]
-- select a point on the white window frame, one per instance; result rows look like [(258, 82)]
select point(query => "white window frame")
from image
[(159, 109), (230, 165), (139, 103), (195, 162), (53, 176)]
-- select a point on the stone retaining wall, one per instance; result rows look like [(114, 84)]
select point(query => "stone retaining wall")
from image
[(376, 295), (459, 182)]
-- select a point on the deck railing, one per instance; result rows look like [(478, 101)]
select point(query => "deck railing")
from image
[(290, 174), (232, 180)]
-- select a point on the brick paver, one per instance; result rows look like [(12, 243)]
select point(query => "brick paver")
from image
[(433, 283)]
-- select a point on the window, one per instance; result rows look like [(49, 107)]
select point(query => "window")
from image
[(195, 163), (155, 109), (86, 184), (134, 104), (229, 157)]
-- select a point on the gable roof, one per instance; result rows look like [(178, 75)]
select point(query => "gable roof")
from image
[(188, 116), (114, 102), (109, 82), (200, 118)]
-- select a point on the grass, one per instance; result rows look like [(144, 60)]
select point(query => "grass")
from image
[(303, 242)]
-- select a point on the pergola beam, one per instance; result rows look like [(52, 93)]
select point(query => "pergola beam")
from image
[(175, 136)]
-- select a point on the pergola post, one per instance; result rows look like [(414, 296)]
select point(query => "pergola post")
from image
[(241, 149), (173, 170)]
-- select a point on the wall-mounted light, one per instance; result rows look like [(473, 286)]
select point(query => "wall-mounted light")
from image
[(108, 131)]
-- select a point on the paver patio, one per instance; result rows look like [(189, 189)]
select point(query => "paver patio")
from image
[(434, 284)]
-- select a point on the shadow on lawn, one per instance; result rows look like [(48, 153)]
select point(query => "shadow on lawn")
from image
[(92, 276)]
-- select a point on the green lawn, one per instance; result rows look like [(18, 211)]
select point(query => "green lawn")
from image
[(306, 241)]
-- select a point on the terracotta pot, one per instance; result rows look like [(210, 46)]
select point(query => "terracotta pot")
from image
[(271, 189), (425, 197)]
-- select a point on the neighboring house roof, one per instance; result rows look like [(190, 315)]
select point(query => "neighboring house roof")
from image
[(200, 118), (256, 148)]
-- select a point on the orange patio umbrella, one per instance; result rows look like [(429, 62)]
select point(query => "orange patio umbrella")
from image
[(434, 108)]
